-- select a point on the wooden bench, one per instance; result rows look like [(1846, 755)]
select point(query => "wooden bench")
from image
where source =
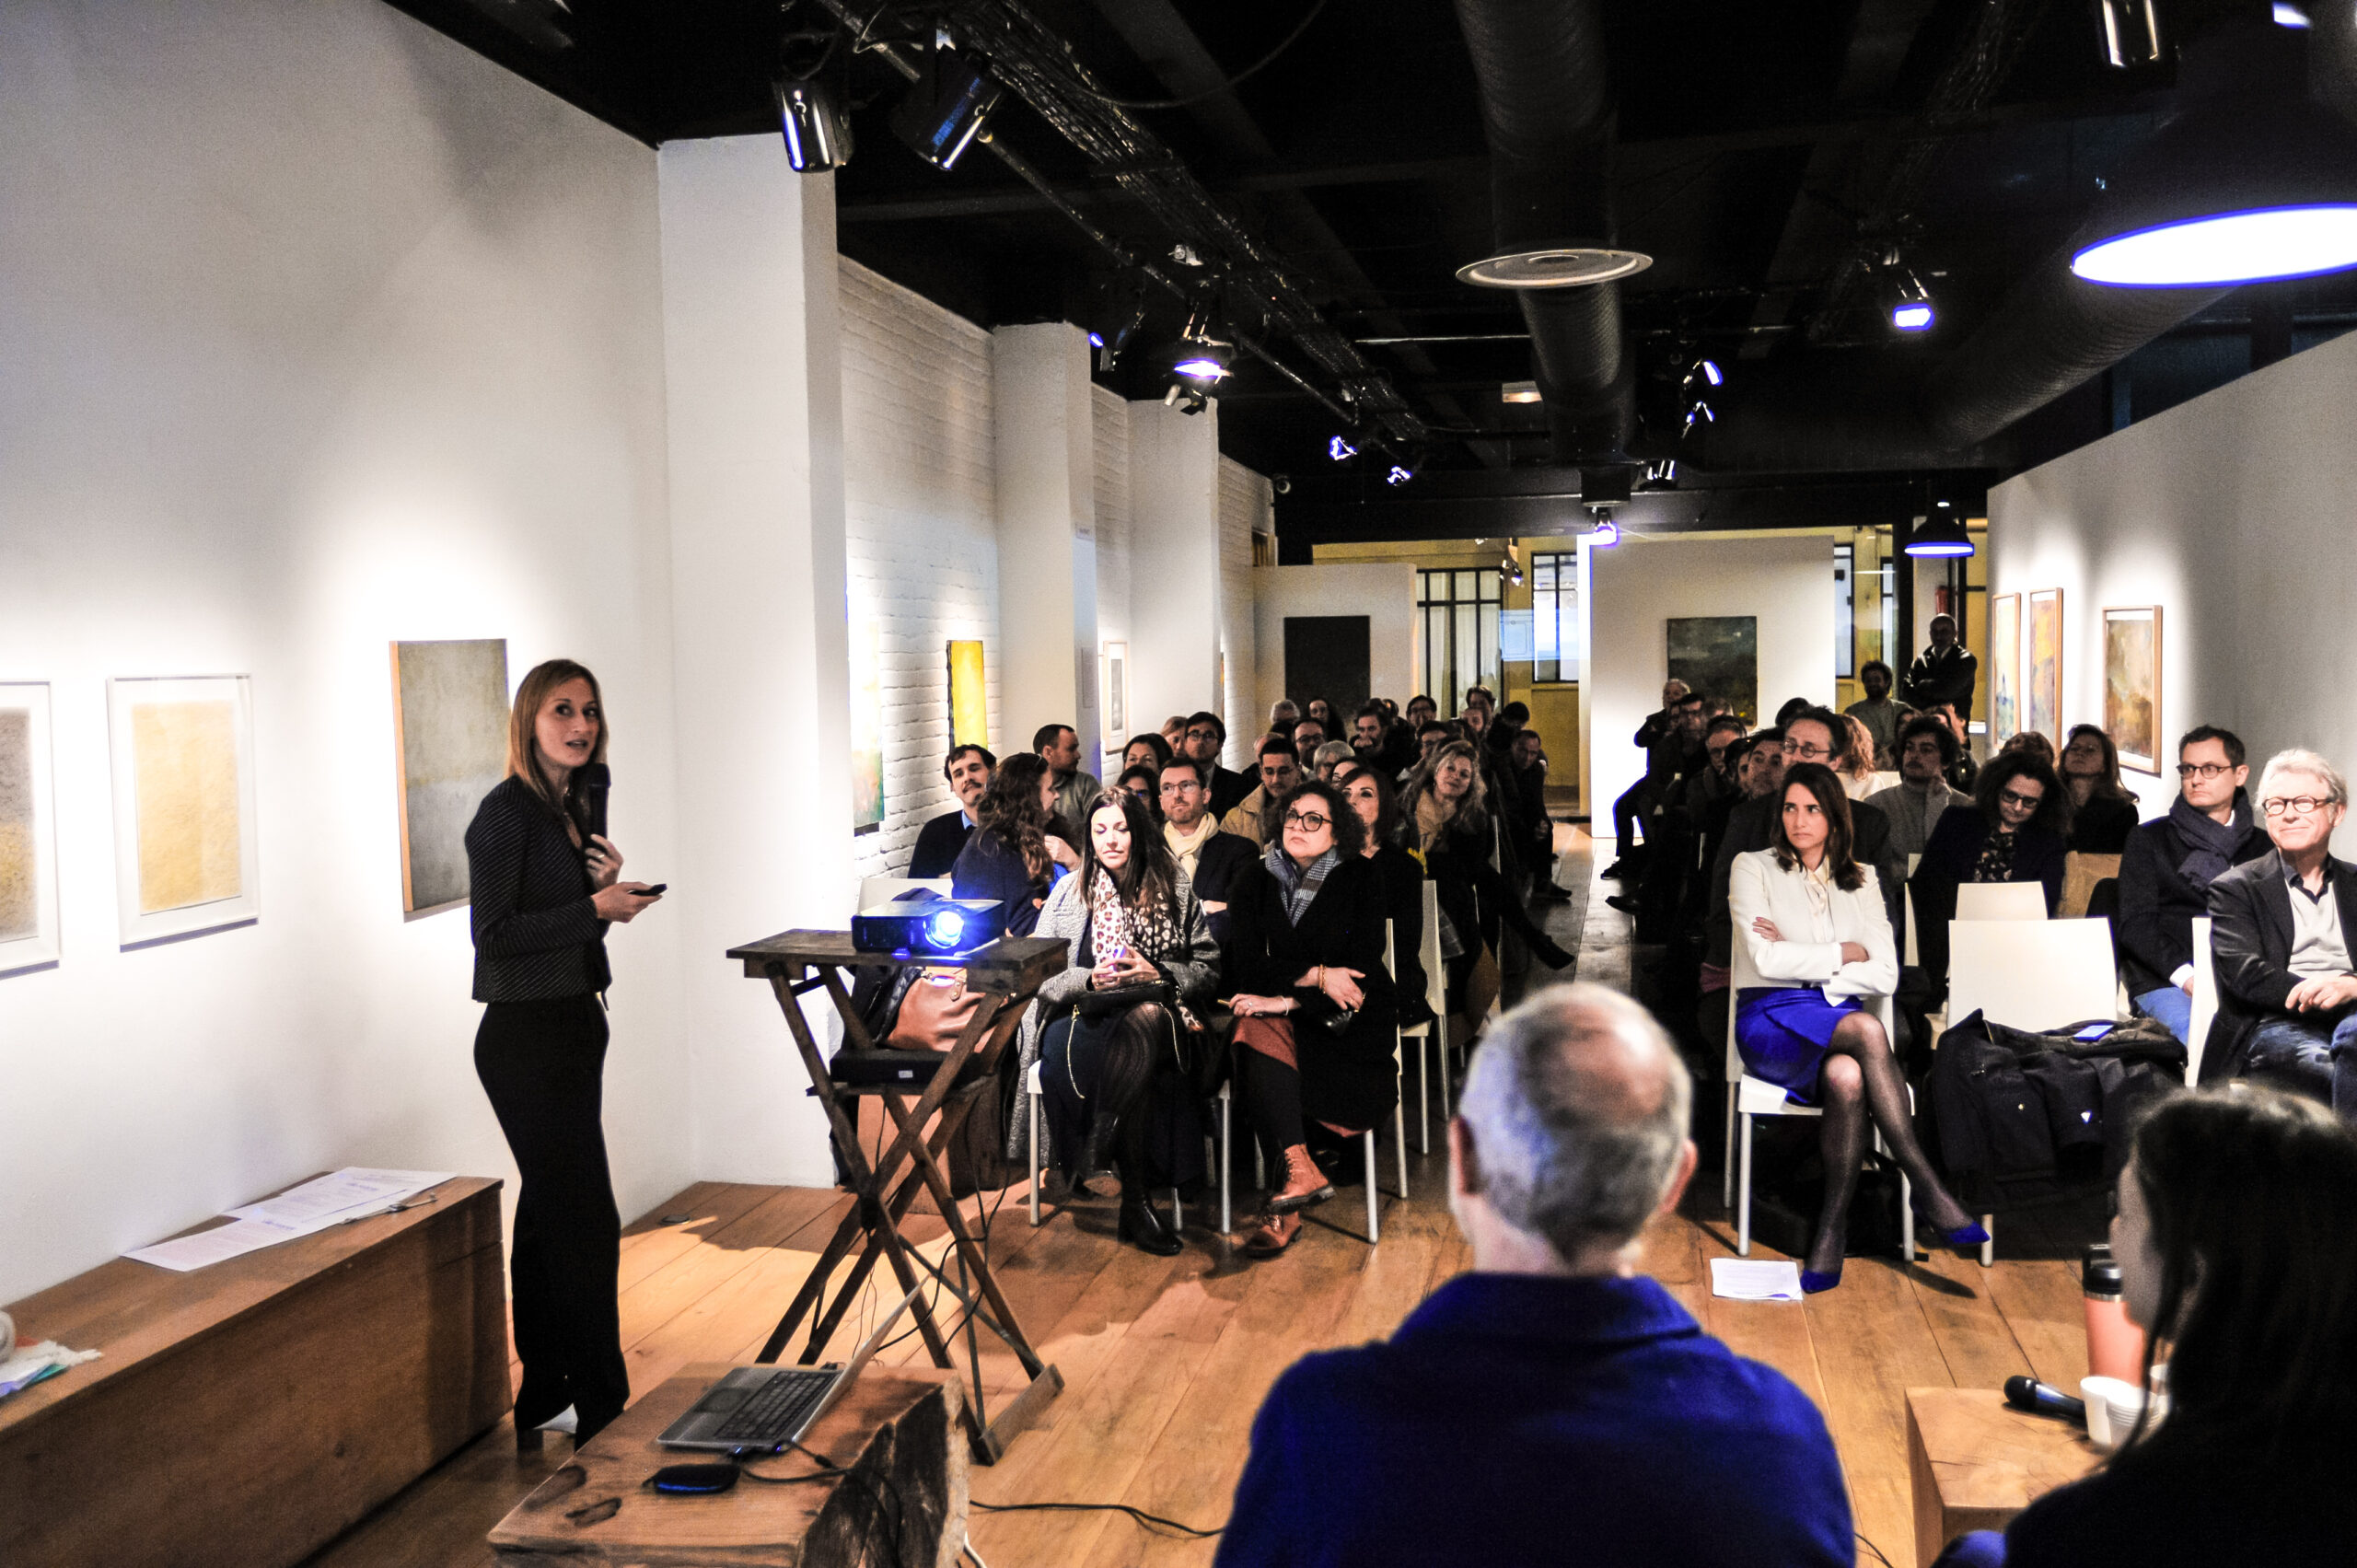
[(248, 1412)]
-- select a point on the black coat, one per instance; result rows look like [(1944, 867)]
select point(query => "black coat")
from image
[(2158, 903), (1750, 828), (1350, 1079), (537, 935), (990, 867), (2102, 826), (2250, 942), (1957, 840), (1228, 789), (938, 846), (1935, 678), (1224, 857), (1403, 901), (1473, 893)]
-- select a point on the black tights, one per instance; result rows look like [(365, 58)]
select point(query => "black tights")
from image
[(1271, 1103), (1097, 1076), (1861, 1081)]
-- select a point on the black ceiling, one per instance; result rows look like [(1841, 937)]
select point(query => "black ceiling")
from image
[(1763, 147)]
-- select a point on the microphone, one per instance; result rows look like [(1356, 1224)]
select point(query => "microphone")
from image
[(593, 779), (2044, 1398)]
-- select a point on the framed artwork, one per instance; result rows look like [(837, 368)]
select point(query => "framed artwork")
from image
[(1719, 655), (2004, 668), (1117, 689), (2043, 683), (969, 697), (867, 726), (450, 746), (186, 857), (27, 830), (2131, 685)]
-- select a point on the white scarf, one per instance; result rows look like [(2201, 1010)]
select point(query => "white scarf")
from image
[(1189, 848)]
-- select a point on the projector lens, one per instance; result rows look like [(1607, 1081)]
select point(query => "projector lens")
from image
[(943, 930)]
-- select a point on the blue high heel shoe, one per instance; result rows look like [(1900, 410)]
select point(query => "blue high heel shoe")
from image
[(1967, 1236), (1813, 1283)]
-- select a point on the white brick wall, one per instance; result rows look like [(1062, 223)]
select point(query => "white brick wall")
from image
[(1246, 506), (1109, 427), (921, 510)]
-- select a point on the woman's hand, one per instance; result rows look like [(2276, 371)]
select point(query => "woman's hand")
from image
[(623, 902), (1262, 1006), (1127, 968), (1062, 854), (605, 862), (1341, 986), (1853, 952), (1765, 929)]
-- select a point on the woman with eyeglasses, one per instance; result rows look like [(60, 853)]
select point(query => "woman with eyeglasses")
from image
[(1314, 1009), (2020, 833)]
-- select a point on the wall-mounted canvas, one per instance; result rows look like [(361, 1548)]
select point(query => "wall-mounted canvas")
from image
[(2043, 682), (450, 745), (27, 830), (867, 726), (2131, 685), (185, 832), (2004, 668), (1117, 692), (1719, 656), (969, 697)]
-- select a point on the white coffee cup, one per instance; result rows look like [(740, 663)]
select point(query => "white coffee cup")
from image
[(2107, 1399)]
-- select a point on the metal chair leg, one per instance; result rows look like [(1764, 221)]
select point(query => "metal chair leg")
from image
[(1400, 1144), (1989, 1248), (1034, 1155), (1743, 1214), (1226, 1163), (1373, 1222), (1424, 1097), (1727, 1155)]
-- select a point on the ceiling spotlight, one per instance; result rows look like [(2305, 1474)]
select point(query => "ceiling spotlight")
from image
[(817, 131), (1204, 353), (1397, 475), (1510, 572), (1571, 266), (1699, 414), (2291, 16), (1605, 535), (1519, 392), (1711, 373), (1940, 535), (945, 108), (1662, 475), (2132, 33), (1188, 400), (1203, 362), (1340, 449), (1911, 307)]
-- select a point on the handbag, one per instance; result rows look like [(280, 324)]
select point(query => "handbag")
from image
[(1090, 1003), (935, 1011)]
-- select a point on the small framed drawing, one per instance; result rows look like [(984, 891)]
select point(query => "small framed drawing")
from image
[(1117, 689), (2131, 685), (2004, 668), (185, 832), (27, 830)]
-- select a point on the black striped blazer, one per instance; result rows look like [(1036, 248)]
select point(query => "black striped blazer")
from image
[(537, 935)]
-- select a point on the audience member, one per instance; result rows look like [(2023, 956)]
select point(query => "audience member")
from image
[(2034, 743), (1012, 856), (1447, 817), (1421, 709), (1173, 733), (1656, 729), (2232, 1234), (1209, 858), (1076, 790), (1146, 784), (1328, 757), (968, 769), (1945, 672), (2016, 832), (1858, 774), (1673, 759), (1481, 697), (1255, 817), (1143, 965), (1206, 733), (1283, 713), (2103, 813), (1429, 739), (1533, 828), (1369, 796), (2283, 930), (1964, 773), (1306, 736), (1369, 729), (1511, 721), (2166, 869), (1322, 712), (1926, 747), (1813, 923), (1553, 1404), (1792, 706), (1306, 946), (1880, 713), (1147, 750)]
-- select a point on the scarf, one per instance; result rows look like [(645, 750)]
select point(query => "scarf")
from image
[(1300, 886), (1188, 849), (1432, 819), (1150, 934), (1996, 863), (2214, 841)]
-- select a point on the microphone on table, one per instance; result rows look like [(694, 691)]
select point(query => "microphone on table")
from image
[(595, 779), (2043, 1398)]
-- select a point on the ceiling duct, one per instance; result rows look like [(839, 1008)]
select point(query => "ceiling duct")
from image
[(1546, 108)]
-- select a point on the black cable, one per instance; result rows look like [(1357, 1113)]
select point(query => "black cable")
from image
[(1151, 1521), (877, 1490), (1873, 1548), (1252, 70)]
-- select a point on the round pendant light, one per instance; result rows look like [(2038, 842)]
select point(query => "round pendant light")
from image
[(1569, 266), (1939, 535)]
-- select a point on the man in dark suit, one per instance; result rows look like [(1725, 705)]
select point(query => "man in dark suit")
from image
[(1650, 736), (1209, 858), (968, 769), (2166, 869), (1206, 734), (1553, 1405), (1945, 672), (2283, 928)]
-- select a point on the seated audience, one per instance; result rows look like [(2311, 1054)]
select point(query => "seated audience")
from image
[(1859, 778), (1370, 729), (1146, 784), (2103, 813), (2015, 832), (1880, 713), (2166, 869), (1422, 711), (1658, 865), (1014, 850), (1206, 733), (1532, 829), (1759, 773), (1211, 859), (1429, 739), (1305, 949), (1134, 925), (1369, 795), (1076, 789), (1146, 751), (1321, 712), (1964, 773), (1656, 733), (1791, 707), (1926, 750), (1447, 819), (1173, 733), (968, 769), (1553, 1405), (2032, 742), (1306, 736), (2232, 1234), (1283, 713), (1328, 757), (1814, 929), (1280, 774), (2283, 927)]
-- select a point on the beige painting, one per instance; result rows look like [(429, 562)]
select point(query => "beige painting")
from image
[(19, 874), (184, 763), (450, 736)]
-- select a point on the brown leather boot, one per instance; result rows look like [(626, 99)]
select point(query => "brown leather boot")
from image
[(1305, 1185), (1273, 1236)]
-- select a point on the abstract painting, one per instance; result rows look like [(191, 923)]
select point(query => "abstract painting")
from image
[(27, 858), (1719, 656), (867, 726), (969, 697), (2044, 682), (450, 745), (184, 804), (2004, 668), (2131, 685), (1117, 691)]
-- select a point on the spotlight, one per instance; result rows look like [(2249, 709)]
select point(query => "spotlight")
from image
[(1519, 392), (1939, 535), (1569, 266), (1662, 475), (1339, 450), (2132, 33), (945, 108), (1711, 373), (1606, 534), (2291, 16), (1203, 362), (1911, 307), (1510, 572), (1096, 340), (1699, 414), (816, 129), (1397, 475)]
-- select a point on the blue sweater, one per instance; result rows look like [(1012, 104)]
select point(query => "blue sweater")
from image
[(1518, 1418)]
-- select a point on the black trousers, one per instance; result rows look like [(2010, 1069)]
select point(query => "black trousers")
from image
[(543, 1064)]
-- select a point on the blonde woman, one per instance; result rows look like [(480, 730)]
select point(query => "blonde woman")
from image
[(1859, 778), (1447, 819)]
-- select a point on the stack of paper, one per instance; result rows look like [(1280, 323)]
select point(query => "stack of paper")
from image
[(1762, 1279), (28, 1364), (352, 1193)]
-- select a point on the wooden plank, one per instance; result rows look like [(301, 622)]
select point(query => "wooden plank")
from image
[(648, 1244), (1872, 1344), (1014, 965), (1776, 1332), (1974, 1339), (2046, 1311), (723, 1253), (1974, 1462)]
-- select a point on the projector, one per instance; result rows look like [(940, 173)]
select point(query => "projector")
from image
[(929, 925)]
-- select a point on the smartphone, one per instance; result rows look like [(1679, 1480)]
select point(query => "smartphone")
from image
[(2094, 1032), (651, 891)]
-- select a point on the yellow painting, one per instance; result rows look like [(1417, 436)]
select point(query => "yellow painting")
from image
[(970, 701), (20, 878), (2044, 696), (2131, 685), (184, 763)]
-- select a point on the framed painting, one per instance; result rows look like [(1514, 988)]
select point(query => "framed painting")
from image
[(969, 697), (1117, 691), (186, 853), (2131, 685), (2004, 668), (867, 726), (27, 830), (450, 746), (2042, 686), (1719, 655)]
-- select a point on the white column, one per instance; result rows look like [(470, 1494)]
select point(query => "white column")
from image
[(1175, 597), (755, 392), (1047, 533)]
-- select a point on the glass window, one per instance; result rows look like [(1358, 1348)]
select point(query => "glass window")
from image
[(1845, 647), (1460, 618), (1555, 617)]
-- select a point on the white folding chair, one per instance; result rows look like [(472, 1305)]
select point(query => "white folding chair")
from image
[(2030, 975), (2000, 900), (1907, 899), (1432, 1039), (873, 891), (1034, 1090), (2205, 1000)]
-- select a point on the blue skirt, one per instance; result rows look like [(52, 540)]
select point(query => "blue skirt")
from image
[(1781, 1033)]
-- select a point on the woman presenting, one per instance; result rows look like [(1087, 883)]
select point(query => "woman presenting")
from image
[(544, 890)]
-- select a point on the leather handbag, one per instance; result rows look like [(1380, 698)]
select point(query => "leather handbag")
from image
[(935, 1011), (1090, 1003)]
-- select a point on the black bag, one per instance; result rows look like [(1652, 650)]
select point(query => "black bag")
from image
[(1090, 1003), (1989, 1121)]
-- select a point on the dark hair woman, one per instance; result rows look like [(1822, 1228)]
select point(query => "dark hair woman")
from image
[(1323, 712), (1817, 937), (1369, 796), (1136, 930), (1146, 784), (1146, 751), (2019, 834), (2103, 813), (1313, 1004), (2235, 1211), (1013, 854), (1447, 822), (544, 888)]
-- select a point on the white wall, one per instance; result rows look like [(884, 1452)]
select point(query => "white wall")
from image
[(1637, 586), (2231, 512), (1046, 463), (322, 332), (1246, 506), (1110, 449), (1384, 592)]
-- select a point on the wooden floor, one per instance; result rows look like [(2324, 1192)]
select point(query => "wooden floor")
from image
[(1165, 1361)]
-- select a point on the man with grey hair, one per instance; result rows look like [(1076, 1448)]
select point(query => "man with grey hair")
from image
[(1555, 1405), (2283, 931)]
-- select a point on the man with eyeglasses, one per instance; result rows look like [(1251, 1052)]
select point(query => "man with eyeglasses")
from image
[(2168, 865), (1205, 735), (2284, 926), (1256, 816), (1209, 858)]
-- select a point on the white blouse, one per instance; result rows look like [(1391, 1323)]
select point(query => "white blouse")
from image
[(1814, 918)]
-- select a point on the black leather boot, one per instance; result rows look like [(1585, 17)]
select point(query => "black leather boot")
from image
[(1145, 1229)]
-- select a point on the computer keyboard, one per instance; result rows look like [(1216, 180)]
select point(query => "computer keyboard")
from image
[(774, 1410)]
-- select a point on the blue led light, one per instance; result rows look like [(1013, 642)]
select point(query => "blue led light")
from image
[(2226, 247), (1911, 317), (944, 930), (1605, 535), (1340, 449), (1711, 373)]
